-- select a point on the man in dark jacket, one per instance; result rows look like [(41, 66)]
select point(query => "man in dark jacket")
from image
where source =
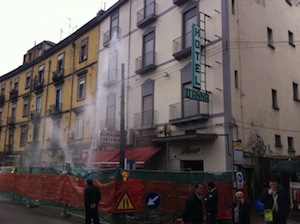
[(92, 197), (211, 203), (275, 195), (193, 211)]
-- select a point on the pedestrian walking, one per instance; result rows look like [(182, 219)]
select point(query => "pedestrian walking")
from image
[(92, 197), (211, 201), (241, 209), (276, 199), (193, 211)]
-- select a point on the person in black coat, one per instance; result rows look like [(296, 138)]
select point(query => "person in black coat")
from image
[(211, 201), (92, 197), (193, 211), (281, 208), (240, 209)]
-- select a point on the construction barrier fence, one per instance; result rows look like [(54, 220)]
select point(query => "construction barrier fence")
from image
[(155, 196)]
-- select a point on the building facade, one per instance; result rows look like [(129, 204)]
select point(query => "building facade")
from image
[(243, 112), (216, 96), (45, 108)]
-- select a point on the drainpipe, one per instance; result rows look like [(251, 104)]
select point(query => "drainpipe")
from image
[(72, 83)]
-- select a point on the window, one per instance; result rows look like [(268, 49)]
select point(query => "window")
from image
[(291, 144), (270, 38), (25, 107), (58, 99), (236, 79), (13, 113), (16, 84), (111, 110), (79, 127), (81, 89), (60, 64), (148, 103), (233, 7), (112, 67), (3, 89), (38, 104), (23, 135), (189, 18), (27, 81), (274, 100), (291, 39), (148, 49), (11, 139), (149, 8), (114, 23), (278, 141), (295, 91), (83, 50), (1, 122)]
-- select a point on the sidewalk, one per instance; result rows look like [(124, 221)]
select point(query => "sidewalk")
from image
[(257, 218)]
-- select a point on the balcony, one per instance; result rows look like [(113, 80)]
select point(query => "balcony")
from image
[(11, 121), (180, 2), (13, 95), (58, 77), (111, 35), (189, 111), (145, 119), (35, 116), (145, 63), (55, 110), (8, 149), (38, 85), (2, 99), (146, 15), (182, 47), (111, 77)]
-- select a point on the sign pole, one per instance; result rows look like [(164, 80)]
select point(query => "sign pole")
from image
[(122, 131)]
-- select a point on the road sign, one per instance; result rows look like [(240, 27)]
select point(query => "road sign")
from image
[(152, 200), (239, 180), (125, 203)]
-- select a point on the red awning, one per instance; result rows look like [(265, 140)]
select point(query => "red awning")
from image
[(102, 158), (111, 158), (139, 154)]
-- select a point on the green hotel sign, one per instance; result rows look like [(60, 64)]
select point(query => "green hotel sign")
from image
[(196, 57), (196, 93)]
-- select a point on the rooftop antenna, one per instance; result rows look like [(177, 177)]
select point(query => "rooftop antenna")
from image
[(61, 32), (69, 24)]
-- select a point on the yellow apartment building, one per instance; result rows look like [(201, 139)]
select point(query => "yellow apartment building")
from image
[(46, 116)]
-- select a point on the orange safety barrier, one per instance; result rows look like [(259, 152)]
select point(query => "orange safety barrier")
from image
[(117, 196)]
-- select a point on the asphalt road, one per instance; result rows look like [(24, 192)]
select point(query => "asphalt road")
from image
[(13, 213)]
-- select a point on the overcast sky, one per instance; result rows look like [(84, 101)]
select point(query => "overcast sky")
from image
[(25, 22)]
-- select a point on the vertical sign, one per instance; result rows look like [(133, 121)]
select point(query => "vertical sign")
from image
[(196, 57)]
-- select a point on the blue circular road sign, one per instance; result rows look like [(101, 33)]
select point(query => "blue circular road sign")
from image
[(152, 200)]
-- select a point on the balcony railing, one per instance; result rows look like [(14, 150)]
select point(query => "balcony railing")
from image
[(180, 2), (110, 77), (2, 99), (182, 46), (13, 95), (145, 119), (35, 116), (58, 77), (189, 111), (11, 121), (145, 63), (55, 110), (112, 34), (146, 15), (38, 85)]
